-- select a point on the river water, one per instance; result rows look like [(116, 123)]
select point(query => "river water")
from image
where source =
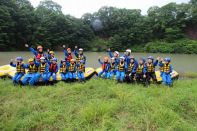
[(182, 63)]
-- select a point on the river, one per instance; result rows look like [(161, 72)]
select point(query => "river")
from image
[(182, 63)]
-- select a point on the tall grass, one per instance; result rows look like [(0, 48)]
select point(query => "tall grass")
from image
[(98, 105)]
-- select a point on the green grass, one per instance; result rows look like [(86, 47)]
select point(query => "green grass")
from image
[(98, 105)]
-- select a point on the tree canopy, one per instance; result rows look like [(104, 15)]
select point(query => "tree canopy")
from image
[(21, 23)]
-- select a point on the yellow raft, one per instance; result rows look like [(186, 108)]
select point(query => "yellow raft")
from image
[(174, 74), (9, 71)]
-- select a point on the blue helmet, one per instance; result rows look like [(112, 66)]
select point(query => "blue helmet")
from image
[(54, 59), (143, 59), (82, 61), (19, 58), (151, 57), (167, 59)]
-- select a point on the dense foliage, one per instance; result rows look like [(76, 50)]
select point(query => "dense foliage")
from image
[(20, 23)]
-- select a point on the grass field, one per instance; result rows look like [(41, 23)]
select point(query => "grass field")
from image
[(98, 105)]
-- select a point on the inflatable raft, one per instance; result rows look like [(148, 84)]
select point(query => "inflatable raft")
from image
[(174, 74), (9, 71)]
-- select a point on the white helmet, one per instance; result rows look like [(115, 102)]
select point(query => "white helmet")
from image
[(80, 49), (116, 52), (122, 57), (128, 50), (42, 58), (112, 58)]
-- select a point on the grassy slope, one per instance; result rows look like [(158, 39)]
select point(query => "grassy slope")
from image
[(99, 105)]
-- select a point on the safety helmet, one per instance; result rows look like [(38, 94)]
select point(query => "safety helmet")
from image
[(19, 58), (68, 49), (54, 59), (122, 57), (80, 49), (116, 52), (167, 59), (31, 60), (106, 58), (112, 58), (151, 57), (72, 60), (63, 60), (143, 59), (82, 61), (39, 47), (132, 57), (51, 52), (128, 50), (42, 58)]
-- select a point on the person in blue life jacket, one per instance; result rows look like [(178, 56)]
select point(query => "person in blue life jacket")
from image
[(167, 69), (79, 54), (53, 68), (112, 68), (72, 69), (51, 54), (64, 70), (43, 71), (105, 67), (127, 56), (67, 53), (37, 53), (131, 69), (114, 55), (20, 69), (140, 71), (31, 76), (121, 68), (150, 69), (81, 70)]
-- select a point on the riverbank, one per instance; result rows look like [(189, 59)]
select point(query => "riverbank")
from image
[(98, 105)]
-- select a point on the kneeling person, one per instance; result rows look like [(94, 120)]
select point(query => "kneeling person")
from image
[(53, 68), (30, 77), (63, 70), (43, 70), (140, 72), (122, 66), (81, 70), (72, 69)]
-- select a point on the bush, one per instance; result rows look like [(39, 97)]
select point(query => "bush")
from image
[(180, 46)]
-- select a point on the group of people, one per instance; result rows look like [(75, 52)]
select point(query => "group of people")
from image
[(127, 68), (43, 66)]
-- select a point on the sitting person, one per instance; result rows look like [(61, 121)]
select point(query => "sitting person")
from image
[(81, 70), (63, 70), (20, 69), (120, 73), (53, 68)]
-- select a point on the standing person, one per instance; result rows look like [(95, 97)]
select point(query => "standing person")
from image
[(51, 54), (105, 67), (81, 70), (72, 70), (79, 54), (131, 69), (53, 68), (140, 71), (37, 53), (112, 68), (114, 55), (63, 70), (122, 66), (30, 77), (20, 69), (150, 69), (43, 70), (67, 53), (167, 69)]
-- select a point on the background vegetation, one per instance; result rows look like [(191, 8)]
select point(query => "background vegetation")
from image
[(104, 106), (161, 30)]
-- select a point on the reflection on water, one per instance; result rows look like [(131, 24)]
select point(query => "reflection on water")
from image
[(181, 62)]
